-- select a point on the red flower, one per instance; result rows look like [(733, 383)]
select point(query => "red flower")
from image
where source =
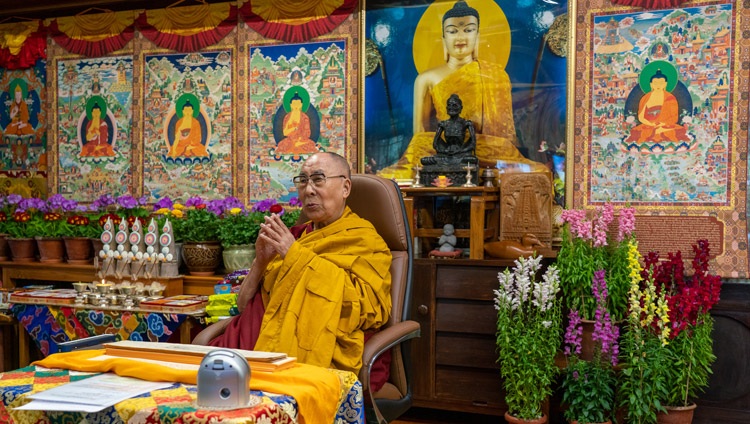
[(3, 217), (276, 208), (21, 217), (201, 206)]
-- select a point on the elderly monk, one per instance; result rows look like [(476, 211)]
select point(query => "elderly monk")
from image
[(317, 294)]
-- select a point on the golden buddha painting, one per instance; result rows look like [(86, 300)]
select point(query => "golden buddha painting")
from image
[(478, 50)]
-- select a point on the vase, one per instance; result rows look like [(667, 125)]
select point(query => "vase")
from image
[(510, 419), (238, 257), (78, 250), (22, 249), (676, 415), (51, 249), (202, 258), (96, 245), (4, 250)]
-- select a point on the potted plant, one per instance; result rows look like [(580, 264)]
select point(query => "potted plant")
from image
[(589, 386), (586, 248), (238, 231), (201, 249), (643, 380), (528, 336), (4, 222), (690, 348), (81, 227)]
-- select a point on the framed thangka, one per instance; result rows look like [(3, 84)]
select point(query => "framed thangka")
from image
[(659, 113), (297, 106), (93, 120), (23, 122), (188, 134)]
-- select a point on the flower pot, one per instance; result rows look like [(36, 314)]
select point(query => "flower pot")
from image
[(587, 343), (96, 245), (78, 250), (510, 419), (22, 249), (202, 258), (605, 422), (238, 257), (51, 249), (4, 250), (676, 415)]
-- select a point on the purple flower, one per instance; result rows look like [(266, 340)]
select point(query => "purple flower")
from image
[(295, 202), (103, 201), (573, 334), (215, 206), (194, 201), (263, 205), (164, 203), (14, 199), (127, 202), (69, 205)]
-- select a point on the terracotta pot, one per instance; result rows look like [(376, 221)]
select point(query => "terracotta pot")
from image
[(96, 245), (202, 258), (515, 420), (587, 344), (78, 250), (22, 249), (676, 415), (4, 249), (605, 422), (51, 249), (238, 257)]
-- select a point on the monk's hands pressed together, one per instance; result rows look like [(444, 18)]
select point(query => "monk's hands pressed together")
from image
[(274, 238)]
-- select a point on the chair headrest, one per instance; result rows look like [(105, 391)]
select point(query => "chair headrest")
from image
[(379, 201)]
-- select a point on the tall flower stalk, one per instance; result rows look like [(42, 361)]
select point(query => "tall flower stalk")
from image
[(528, 334)]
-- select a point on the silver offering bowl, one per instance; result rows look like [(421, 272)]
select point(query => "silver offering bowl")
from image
[(104, 288), (127, 290), (80, 287)]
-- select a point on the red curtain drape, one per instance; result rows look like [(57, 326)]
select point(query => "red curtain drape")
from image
[(296, 20), (22, 44), (189, 28), (93, 35), (650, 4)]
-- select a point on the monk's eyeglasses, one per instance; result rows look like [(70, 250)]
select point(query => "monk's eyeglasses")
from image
[(318, 180)]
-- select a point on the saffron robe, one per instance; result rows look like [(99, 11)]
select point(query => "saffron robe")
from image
[(484, 89), (96, 144), (188, 142), (333, 284), (19, 124), (298, 141), (667, 115)]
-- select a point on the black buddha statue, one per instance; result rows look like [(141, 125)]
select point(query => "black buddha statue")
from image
[(455, 143)]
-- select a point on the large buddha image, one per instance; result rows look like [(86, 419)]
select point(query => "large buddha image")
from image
[(296, 124), (483, 86)]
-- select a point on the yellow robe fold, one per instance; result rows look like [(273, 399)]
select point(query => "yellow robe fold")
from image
[(484, 89), (333, 284)]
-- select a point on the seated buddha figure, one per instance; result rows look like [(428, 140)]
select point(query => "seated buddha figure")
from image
[(658, 113), (19, 115), (484, 88), (455, 139)]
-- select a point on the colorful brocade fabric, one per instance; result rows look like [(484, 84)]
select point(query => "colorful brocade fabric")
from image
[(51, 325), (173, 405)]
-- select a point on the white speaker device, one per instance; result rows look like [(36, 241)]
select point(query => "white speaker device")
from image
[(223, 380)]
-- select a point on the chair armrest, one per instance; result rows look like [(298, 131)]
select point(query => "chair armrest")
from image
[(383, 340), (211, 332)]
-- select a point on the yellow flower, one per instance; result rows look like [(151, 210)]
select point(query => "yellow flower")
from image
[(177, 213), (178, 206), (162, 211), (235, 211)]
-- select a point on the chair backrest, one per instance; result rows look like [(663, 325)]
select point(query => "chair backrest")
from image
[(379, 201)]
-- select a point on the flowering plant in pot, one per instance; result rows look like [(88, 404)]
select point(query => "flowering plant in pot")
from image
[(201, 249), (643, 380), (528, 335), (165, 209), (589, 386), (689, 299)]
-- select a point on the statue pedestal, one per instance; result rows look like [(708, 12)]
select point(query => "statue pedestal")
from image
[(457, 175)]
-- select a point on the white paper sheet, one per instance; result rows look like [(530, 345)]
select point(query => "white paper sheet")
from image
[(43, 405), (97, 392)]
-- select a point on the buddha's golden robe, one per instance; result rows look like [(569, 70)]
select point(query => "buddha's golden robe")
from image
[(187, 142), (484, 89), (333, 284)]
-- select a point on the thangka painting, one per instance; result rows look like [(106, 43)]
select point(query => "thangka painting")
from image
[(23, 121), (93, 120), (297, 107), (659, 114), (188, 115)]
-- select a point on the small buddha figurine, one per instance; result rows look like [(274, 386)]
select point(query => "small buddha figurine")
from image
[(453, 147), (448, 240)]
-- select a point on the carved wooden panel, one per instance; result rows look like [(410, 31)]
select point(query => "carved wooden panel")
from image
[(526, 206)]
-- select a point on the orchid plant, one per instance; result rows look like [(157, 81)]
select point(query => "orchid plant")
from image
[(589, 386), (528, 334)]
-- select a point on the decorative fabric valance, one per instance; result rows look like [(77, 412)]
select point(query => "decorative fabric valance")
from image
[(296, 20), (21, 44), (93, 34), (188, 28), (650, 4)]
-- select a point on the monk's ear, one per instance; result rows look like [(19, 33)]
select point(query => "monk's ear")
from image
[(347, 187)]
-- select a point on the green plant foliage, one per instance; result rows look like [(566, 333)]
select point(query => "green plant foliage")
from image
[(589, 391), (240, 228), (200, 224), (690, 356)]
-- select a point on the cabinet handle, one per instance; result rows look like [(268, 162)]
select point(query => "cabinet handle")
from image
[(423, 309)]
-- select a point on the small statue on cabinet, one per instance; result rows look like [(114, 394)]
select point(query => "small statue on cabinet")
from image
[(451, 143), (447, 243), (511, 249)]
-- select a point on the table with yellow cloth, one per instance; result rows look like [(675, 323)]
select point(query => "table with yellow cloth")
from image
[(304, 394)]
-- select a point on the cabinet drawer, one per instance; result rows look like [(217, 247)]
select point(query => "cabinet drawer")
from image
[(476, 387), (466, 282), (465, 317), (466, 351)]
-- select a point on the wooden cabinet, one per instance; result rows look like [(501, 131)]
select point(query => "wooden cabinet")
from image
[(454, 361)]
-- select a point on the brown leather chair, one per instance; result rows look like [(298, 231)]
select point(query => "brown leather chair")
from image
[(379, 201)]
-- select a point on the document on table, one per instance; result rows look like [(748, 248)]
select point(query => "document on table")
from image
[(91, 394)]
